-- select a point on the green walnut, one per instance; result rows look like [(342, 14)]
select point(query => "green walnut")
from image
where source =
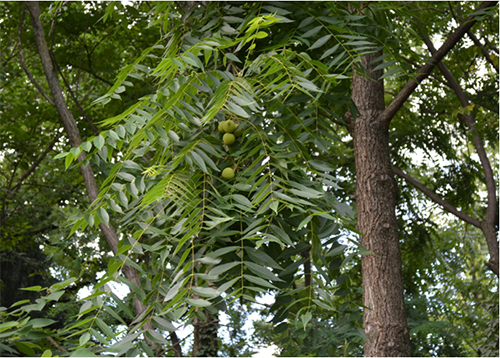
[(221, 127), (237, 133), (228, 138), (229, 126), (228, 174)]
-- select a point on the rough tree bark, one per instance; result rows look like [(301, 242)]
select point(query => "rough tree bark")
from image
[(75, 140), (376, 190), (376, 197)]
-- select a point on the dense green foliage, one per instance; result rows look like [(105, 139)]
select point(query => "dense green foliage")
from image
[(149, 85)]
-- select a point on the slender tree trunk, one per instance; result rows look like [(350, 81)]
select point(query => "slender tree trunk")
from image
[(376, 196), (75, 140)]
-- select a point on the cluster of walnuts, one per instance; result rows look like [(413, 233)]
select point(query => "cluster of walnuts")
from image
[(231, 132)]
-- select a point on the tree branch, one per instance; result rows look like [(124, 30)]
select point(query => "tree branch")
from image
[(435, 198), (483, 49), (77, 103), (55, 344), (23, 64), (488, 225), (176, 344), (33, 167), (425, 70), (490, 45), (92, 74)]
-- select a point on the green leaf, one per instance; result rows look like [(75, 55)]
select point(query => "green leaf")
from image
[(384, 65), (206, 291), (84, 338), (312, 32), (195, 60), (217, 270), (61, 155), (125, 176), (330, 51), (68, 160), (260, 257), (234, 108), (305, 319), (321, 166), (47, 353), (274, 206), (304, 222), (223, 251), (232, 57), (41, 322), (25, 347), (261, 271), (199, 161), (75, 151), (390, 73), (242, 200), (198, 302), (321, 41), (208, 260), (82, 352), (228, 284), (155, 336), (336, 251), (32, 288), (99, 142), (103, 215), (61, 285), (105, 328), (282, 234), (259, 281), (86, 146), (172, 135), (5, 326), (162, 323)]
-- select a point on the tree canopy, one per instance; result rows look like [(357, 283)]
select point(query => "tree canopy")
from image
[(338, 157)]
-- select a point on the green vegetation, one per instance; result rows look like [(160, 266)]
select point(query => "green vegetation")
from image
[(201, 156)]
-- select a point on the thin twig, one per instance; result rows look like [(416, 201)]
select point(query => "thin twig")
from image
[(68, 87), (55, 344), (33, 167)]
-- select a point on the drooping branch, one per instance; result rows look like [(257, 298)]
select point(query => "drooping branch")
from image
[(436, 198), (425, 70)]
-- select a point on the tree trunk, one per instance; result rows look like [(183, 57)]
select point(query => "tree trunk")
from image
[(376, 196), (376, 191), (205, 336)]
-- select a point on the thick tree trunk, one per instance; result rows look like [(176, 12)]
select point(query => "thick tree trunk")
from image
[(384, 319), (376, 195)]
